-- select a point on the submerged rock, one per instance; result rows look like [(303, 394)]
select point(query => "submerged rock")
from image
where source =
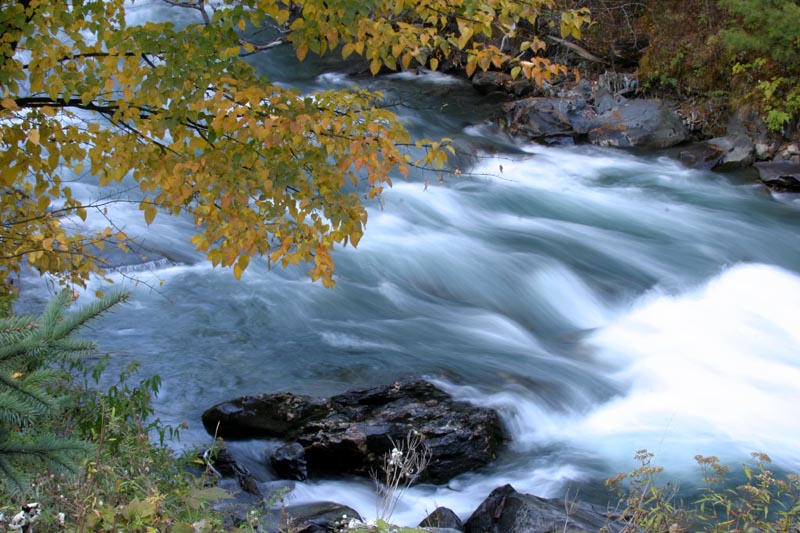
[(507, 511), (351, 433)]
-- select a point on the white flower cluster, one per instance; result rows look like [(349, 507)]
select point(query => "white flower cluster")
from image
[(29, 513), (396, 457)]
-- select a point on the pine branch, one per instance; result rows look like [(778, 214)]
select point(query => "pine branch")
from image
[(86, 313), (14, 481)]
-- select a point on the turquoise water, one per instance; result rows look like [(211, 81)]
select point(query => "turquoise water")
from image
[(603, 302)]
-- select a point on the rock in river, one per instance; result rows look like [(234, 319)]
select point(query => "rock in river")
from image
[(352, 432)]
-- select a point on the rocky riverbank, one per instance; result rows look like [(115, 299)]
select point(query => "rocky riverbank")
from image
[(609, 112), (353, 434)]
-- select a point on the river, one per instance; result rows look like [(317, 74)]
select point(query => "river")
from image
[(603, 302)]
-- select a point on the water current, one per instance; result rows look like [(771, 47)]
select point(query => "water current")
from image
[(603, 302)]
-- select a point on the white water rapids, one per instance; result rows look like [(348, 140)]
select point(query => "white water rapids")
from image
[(603, 302)]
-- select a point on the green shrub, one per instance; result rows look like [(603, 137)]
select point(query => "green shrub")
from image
[(763, 37)]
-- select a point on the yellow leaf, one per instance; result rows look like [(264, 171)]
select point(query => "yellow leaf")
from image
[(466, 35), (149, 213), (302, 51), (347, 49), (434, 63), (10, 104), (471, 66), (240, 266), (375, 66), (242, 24), (33, 136)]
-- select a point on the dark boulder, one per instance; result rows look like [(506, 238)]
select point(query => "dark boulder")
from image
[(442, 518), (645, 123), (269, 415), (507, 511), (353, 432), (289, 462), (780, 176)]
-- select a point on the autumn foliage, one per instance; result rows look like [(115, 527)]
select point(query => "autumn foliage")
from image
[(261, 169)]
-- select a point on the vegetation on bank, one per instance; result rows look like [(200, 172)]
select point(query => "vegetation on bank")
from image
[(718, 55), (93, 459)]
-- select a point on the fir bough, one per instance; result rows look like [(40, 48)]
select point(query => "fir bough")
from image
[(32, 354)]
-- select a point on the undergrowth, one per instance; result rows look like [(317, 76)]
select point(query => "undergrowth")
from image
[(755, 500), (125, 477)]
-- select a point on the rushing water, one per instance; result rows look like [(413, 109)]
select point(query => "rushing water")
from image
[(603, 302)]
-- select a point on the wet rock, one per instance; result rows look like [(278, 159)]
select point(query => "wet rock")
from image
[(507, 511), (272, 415), (646, 123), (780, 176), (351, 433), (289, 462), (442, 518), (226, 466), (309, 518)]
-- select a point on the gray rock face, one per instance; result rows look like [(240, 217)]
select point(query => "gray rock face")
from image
[(352, 432), (546, 119), (622, 123), (720, 153), (738, 151), (507, 511), (638, 123)]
